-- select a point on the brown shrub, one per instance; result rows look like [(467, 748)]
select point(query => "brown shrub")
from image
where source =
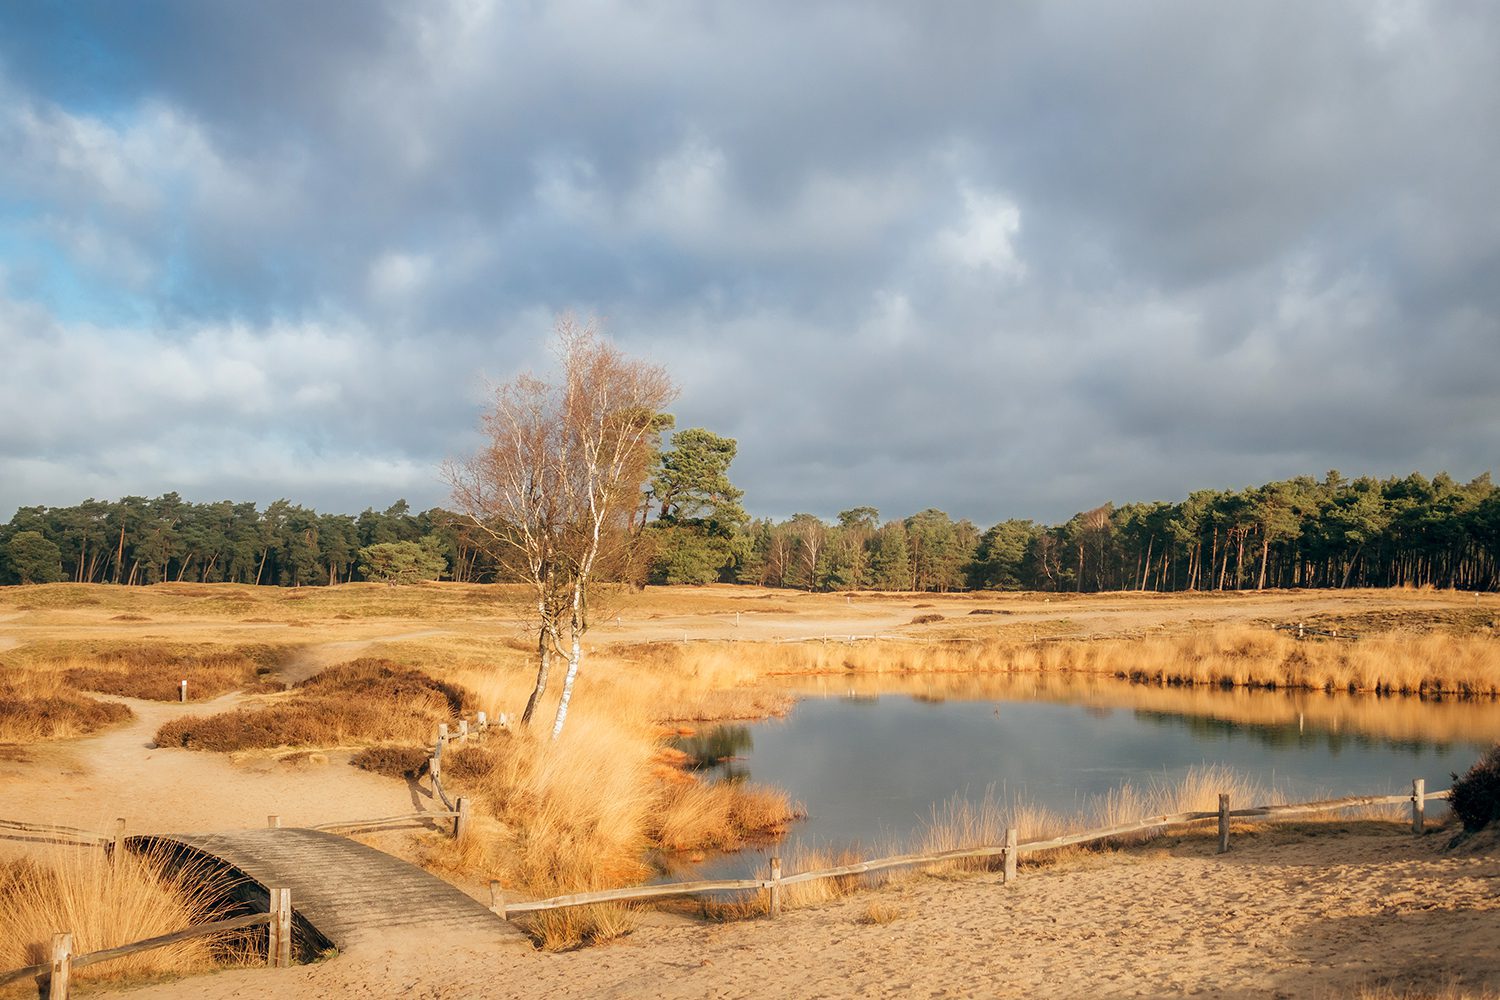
[(926, 619), (155, 673), (365, 701), (38, 706), (393, 761)]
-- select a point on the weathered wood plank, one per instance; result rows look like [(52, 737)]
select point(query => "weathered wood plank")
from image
[(638, 892), (162, 940), (61, 973), (357, 823)]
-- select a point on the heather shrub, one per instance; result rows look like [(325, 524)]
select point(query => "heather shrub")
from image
[(1475, 798)]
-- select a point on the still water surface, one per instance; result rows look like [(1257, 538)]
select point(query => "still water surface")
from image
[(870, 765)]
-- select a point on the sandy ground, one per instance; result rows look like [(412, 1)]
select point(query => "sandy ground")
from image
[(1281, 915), (1276, 917)]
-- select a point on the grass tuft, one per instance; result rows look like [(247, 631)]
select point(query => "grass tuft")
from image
[(105, 904)]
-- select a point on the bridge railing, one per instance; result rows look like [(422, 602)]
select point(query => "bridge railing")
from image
[(58, 971), (1012, 849)]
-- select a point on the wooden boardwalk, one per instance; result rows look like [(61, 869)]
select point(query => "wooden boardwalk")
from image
[(348, 893)]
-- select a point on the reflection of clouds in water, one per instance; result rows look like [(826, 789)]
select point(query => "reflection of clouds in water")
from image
[(876, 772)]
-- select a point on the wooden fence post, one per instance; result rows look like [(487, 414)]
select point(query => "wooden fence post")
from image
[(461, 821), (463, 730), (279, 943), (273, 821), (119, 844), (442, 733), (1223, 822), (482, 723), (775, 887), (1012, 838), (182, 691), (62, 966), (1418, 804), (435, 768), (497, 899)]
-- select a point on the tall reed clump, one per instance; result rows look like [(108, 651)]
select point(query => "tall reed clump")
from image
[(574, 813), (40, 705), (105, 903), (580, 813), (1411, 663)]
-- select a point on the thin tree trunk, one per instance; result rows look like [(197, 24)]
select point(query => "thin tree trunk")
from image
[(120, 553), (544, 662), (1265, 552), (1146, 569), (575, 657)]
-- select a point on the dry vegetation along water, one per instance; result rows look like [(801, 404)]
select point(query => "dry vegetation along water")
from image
[(307, 680)]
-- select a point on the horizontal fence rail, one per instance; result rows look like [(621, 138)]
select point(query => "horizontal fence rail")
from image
[(1009, 852)]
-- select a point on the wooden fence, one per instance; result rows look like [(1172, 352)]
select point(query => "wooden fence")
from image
[(58, 971), (1010, 851)]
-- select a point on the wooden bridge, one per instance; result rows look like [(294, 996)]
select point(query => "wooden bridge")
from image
[(344, 894)]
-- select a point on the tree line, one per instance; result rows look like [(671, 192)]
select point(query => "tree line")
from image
[(1296, 533), (1301, 532)]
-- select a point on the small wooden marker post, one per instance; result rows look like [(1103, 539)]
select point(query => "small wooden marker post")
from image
[(481, 723), (119, 845), (182, 691), (273, 821), (279, 943), (435, 767), (1418, 804), (1012, 838), (775, 887), (497, 899), (463, 730), (62, 966), (1223, 822), (442, 733), (461, 821)]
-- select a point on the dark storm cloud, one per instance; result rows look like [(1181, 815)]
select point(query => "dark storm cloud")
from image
[(1002, 259)]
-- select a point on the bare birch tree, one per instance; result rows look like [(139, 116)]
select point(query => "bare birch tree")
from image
[(557, 485)]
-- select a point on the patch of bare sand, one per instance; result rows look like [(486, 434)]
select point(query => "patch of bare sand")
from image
[(1279, 916), (121, 772)]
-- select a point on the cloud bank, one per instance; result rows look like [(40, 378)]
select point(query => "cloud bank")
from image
[(1009, 260)]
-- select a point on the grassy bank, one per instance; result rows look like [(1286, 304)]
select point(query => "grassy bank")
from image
[(1404, 663)]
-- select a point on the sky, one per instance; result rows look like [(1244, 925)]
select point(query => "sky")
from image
[(1003, 259)]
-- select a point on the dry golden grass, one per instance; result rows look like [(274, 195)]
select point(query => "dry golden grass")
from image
[(1453, 990), (880, 912), (104, 904), (719, 815), (40, 705), (1430, 663), (365, 701)]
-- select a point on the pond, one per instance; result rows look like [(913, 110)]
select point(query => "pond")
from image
[(870, 757)]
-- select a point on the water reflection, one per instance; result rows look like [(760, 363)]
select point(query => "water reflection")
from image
[(718, 751), (871, 755)]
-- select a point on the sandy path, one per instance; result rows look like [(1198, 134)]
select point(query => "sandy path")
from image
[(1279, 916), (88, 782), (310, 660), (121, 772)]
